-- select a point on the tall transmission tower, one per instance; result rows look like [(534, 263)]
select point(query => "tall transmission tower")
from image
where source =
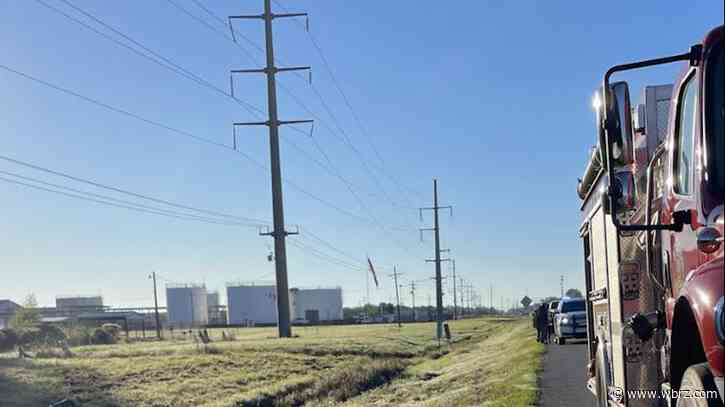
[(437, 260), (278, 233)]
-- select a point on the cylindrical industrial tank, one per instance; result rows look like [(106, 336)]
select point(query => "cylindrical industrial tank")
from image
[(252, 304), (187, 305)]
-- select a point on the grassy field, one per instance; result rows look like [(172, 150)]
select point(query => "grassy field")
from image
[(491, 361)]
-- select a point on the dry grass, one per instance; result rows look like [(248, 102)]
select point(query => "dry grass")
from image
[(324, 366)]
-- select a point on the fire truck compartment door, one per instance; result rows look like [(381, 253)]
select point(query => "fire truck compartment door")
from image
[(605, 274)]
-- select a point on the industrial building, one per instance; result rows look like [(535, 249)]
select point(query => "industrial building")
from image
[(316, 305), (186, 305), (252, 304), (217, 312), (7, 312), (93, 303)]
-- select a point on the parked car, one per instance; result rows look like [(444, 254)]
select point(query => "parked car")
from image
[(570, 321)]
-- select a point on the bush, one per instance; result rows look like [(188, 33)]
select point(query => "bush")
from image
[(102, 336), (113, 329), (8, 339), (79, 335), (41, 336)]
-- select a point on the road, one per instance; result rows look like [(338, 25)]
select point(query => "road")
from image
[(563, 381)]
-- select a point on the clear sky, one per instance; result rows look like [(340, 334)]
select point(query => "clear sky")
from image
[(491, 97)]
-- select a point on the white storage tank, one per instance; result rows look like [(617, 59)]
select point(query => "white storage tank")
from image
[(252, 304), (186, 305), (316, 304)]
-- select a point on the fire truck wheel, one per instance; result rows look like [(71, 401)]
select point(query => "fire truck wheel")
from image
[(561, 341), (698, 381)]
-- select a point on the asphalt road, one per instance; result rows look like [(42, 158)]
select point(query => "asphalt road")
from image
[(563, 381)]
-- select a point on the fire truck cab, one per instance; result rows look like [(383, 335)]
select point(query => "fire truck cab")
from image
[(651, 227)]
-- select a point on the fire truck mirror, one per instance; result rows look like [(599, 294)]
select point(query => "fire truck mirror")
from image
[(624, 189), (618, 123), (623, 193)]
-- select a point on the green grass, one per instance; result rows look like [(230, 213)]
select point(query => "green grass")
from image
[(489, 361)]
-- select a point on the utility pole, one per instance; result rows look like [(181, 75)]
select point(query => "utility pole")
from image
[(278, 233), (156, 307), (463, 304), (561, 284), (412, 295), (469, 295), (437, 260), (455, 300), (397, 295)]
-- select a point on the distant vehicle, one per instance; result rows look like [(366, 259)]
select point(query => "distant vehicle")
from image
[(570, 321), (652, 233)]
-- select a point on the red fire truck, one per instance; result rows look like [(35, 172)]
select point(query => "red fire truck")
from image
[(652, 226)]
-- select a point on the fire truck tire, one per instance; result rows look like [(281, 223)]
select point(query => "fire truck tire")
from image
[(561, 341), (698, 379)]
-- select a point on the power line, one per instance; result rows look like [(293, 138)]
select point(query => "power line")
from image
[(356, 117), (255, 111), (324, 256), (188, 135), (133, 208), (171, 65), (126, 192), (125, 202), (163, 62)]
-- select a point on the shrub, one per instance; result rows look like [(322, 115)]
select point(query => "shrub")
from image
[(29, 337), (51, 334), (8, 339), (41, 336), (79, 335), (113, 329), (103, 336)]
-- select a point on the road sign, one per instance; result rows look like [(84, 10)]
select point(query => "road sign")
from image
[(526, 301)]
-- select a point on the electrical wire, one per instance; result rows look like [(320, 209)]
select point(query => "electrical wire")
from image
[(170, 65), (188, 135), (346, 100), (128, 203), (257, 222), (133, 208)]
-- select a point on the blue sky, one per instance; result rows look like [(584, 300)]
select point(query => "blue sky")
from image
[(492, 98)]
